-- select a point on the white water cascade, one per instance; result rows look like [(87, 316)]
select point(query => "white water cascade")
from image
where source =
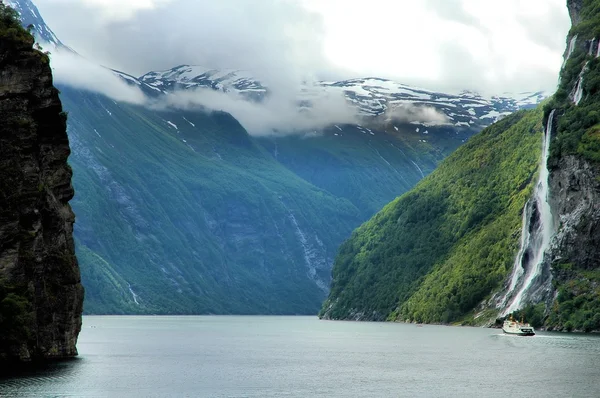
[(535, 238), (577, 93), (570, 50)]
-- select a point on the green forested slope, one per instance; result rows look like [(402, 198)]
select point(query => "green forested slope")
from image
[(184, 212), (437, 251), (196, 218)]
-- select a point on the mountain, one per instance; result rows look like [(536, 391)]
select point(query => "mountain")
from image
[(439, 250), (340, 158), (184, 212), (572, 264), (40, 291), (530, 249), (372, 97)]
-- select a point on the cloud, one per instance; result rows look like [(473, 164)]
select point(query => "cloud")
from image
[(453, 10), (287, 41), (276, 114), (444, 45), (281, 112), (73, 70), (412, 113), (419, 42), (279, 40), (106, 10)]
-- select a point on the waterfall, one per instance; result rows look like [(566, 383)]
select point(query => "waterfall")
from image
[(577, 93), (570, 50), (314, 255), (133, 294), (592, 44), (535, 238)]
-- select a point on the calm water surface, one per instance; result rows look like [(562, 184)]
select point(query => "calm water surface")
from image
[(305, 357)]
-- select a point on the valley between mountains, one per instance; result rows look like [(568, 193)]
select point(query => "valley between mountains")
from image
[(399, 203), (182, 211)]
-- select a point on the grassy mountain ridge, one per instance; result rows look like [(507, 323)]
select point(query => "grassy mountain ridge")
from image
[(367, 171), (422, 256)]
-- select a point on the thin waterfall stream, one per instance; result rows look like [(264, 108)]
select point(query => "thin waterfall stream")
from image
[(535, 239)]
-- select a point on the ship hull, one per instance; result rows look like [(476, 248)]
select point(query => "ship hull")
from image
[(518, 333)]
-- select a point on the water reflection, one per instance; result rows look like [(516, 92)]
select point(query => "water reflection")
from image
[(29, 379)]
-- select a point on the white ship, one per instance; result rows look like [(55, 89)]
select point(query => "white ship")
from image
[(517, 328)]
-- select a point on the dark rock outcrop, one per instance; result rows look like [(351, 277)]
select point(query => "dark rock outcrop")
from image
[(40, 291), (575, 7), (575, 179), (575, 203)]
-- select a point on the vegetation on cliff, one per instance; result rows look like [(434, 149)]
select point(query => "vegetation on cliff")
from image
[(576, 278), (433, 254), (11, 30), (578, 129)]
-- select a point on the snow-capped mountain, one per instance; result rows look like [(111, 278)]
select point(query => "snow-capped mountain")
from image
[(372, 97), (191, 77)]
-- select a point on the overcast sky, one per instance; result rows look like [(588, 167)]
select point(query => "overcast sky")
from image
[(486, 45)]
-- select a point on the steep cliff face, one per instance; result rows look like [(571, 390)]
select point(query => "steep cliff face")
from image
[(575, 200), (575, 7), (40, 291), (575, 178), (574, 255)]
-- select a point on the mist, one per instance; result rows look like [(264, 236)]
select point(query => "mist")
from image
[(283, 111), (278, 113), (407, 113), (72, 70)]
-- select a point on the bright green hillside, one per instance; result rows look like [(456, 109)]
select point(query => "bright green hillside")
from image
[(437, 251)]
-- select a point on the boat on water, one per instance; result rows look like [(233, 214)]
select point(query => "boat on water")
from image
[(517, 328)]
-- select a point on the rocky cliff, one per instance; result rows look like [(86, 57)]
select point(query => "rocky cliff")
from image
[(575, 201), (575, 7), (574, 180), (575, 177), (40, 291)]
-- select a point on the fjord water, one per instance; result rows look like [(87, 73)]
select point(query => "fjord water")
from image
[(305, 357)]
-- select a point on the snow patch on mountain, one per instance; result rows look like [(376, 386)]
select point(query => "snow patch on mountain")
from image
[(195, 77), (370, 97)]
